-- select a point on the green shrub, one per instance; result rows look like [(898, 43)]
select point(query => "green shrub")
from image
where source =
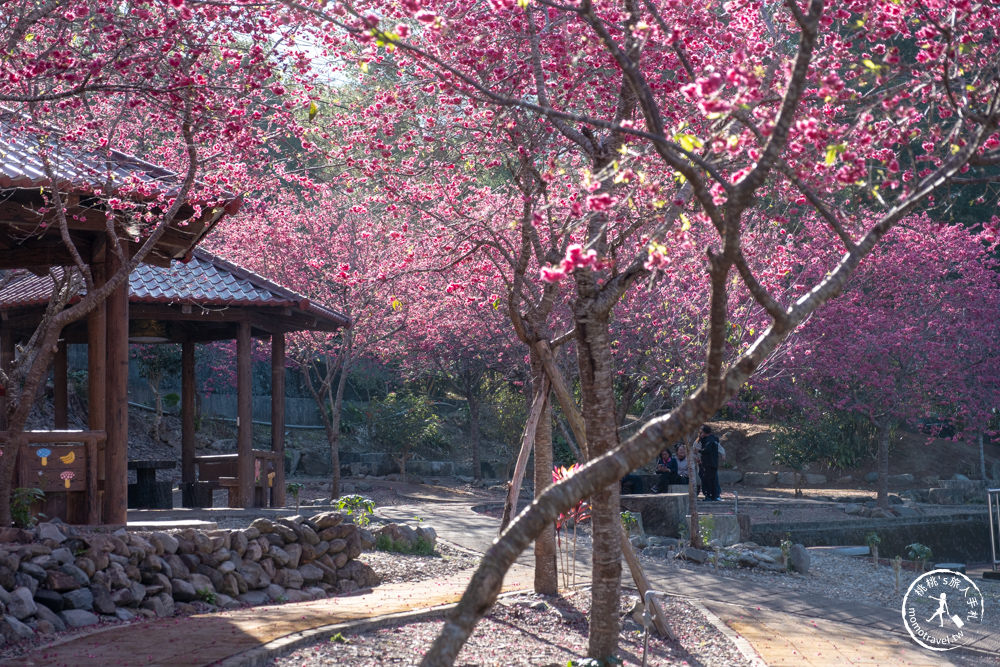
[(207, 595), (920, 553), (837, 439), (21, 500), (405, 425), (359, 507), (421, 547)]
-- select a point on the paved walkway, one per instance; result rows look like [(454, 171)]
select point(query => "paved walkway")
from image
[(205, 639), (785, 628)]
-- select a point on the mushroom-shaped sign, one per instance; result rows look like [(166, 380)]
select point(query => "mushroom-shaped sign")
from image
[(66, 476), (270, 479), (44, 454)]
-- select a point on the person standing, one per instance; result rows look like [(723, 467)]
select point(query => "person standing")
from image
[(709, 471)]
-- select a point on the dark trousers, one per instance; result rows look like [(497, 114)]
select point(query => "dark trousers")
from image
[(667, 478), (631, 483), (710, 482)]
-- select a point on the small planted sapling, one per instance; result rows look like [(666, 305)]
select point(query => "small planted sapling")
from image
[(359, 507), (920, 553), (897, 566), (873, 540), (295, 488)]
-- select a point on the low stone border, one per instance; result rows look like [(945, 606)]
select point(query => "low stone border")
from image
[(739, 641), (262, 655)]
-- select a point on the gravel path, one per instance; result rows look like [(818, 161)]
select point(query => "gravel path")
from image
[(528, 629)]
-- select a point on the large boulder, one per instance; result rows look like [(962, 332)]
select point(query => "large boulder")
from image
[(798, 559), (22, 603), (78, 618), (692, 554), (13, 629), (760, 478), (788, 478), (728, 477), (50, 531), (946, 496), (901, 479)]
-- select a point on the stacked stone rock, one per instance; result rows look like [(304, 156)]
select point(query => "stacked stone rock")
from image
[(54, 576)]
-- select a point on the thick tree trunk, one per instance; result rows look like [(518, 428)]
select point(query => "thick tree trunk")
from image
[(546, 572), (333, 434), (882, 429), (596, 378)]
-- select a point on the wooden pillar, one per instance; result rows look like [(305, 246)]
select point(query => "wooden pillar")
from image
[(244, 416), (6, 360), (188, 389), (278, 415), (60, 384), (116, 451), (97, 381)]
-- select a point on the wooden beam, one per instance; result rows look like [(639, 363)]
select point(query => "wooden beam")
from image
[(60, 386), (6, 360), (42, 254), (278, 415), (116, 450), (188, 389), (244, 418), (97, 378)]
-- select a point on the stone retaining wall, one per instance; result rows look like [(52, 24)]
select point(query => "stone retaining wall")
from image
[(55, 576), (662, 513), (964, 537)]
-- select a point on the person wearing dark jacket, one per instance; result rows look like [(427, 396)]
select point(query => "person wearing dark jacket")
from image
[(709, 471), (666, 468)]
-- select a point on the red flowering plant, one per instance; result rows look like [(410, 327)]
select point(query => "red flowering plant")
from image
[(572, 517)]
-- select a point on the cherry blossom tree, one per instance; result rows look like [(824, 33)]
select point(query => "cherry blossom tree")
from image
[(911, 335), (740, 116), (348, 255), (204, 90)]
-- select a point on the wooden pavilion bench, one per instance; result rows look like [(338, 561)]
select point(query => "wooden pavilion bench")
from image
[(220, 471)]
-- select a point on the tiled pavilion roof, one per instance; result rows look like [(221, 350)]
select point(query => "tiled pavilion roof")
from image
[(206, 281), (28, 237), (76, 168)]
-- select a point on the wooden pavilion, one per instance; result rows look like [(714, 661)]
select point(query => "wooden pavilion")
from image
[(30, 239), (204, 300)]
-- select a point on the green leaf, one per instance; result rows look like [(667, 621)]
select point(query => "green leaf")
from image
[(688, 142)]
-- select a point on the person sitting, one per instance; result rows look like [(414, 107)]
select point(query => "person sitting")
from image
[(682, 462), (666, 468)]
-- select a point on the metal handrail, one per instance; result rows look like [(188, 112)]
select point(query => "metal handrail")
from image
[(993, 505), (647, 620)]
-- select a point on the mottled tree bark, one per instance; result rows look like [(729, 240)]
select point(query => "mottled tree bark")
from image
[(596, 378), (546, 573)]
